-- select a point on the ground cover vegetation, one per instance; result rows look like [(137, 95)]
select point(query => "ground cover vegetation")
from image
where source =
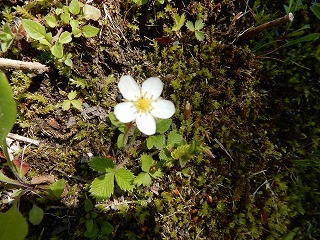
[(239, 158)]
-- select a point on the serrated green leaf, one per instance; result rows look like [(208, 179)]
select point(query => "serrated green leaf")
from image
[(143, 178), (72, 95), (51, 21), (57, 50), (88, 206), (199, 35), (101, 164), (89, 31), (34, 29), (164, 155), (174, 139), (74, 7), (56, 189), (65, 37), (77, 103), (190, 26), (36, 215), (8, 110), (163, 125), (102, 187), (124, 179), (156, 174), (66, 105), (13, 225), (180, 151), (198, 25), (159, 141), (179, 21), (146, 162)]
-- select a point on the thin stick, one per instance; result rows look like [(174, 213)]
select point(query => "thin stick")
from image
[(16, 64), (249, 33), (23, 139)]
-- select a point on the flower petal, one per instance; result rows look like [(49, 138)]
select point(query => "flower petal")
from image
[(162, 109), (146, 123), (125, 112), (129, 88), (152, 88)]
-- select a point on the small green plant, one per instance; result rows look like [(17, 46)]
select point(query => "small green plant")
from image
[(196, 27), (72, 15), (178, 21), (150, 169), (95, 226), (71, 101), (103, 187)]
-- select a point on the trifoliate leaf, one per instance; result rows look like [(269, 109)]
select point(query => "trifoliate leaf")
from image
[(77, 103), (89, 31), (199, 35), (74, 7), (163, 125), (13, 225), (34, 29), (146, 162), (102, 187), (174, 139), (198, 25), (65, 37), (143, 179), (190, 26), (101, 164), (124, 179), (36, 215), (160, 141), (179, 21)]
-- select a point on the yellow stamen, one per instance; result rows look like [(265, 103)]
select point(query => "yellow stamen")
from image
[(143, 105)]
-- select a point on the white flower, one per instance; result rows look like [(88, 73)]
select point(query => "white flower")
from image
[(142, 104)]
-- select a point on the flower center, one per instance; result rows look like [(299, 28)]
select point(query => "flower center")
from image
[(143, 105)]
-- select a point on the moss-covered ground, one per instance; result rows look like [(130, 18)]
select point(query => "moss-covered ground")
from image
[(253, 105)]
